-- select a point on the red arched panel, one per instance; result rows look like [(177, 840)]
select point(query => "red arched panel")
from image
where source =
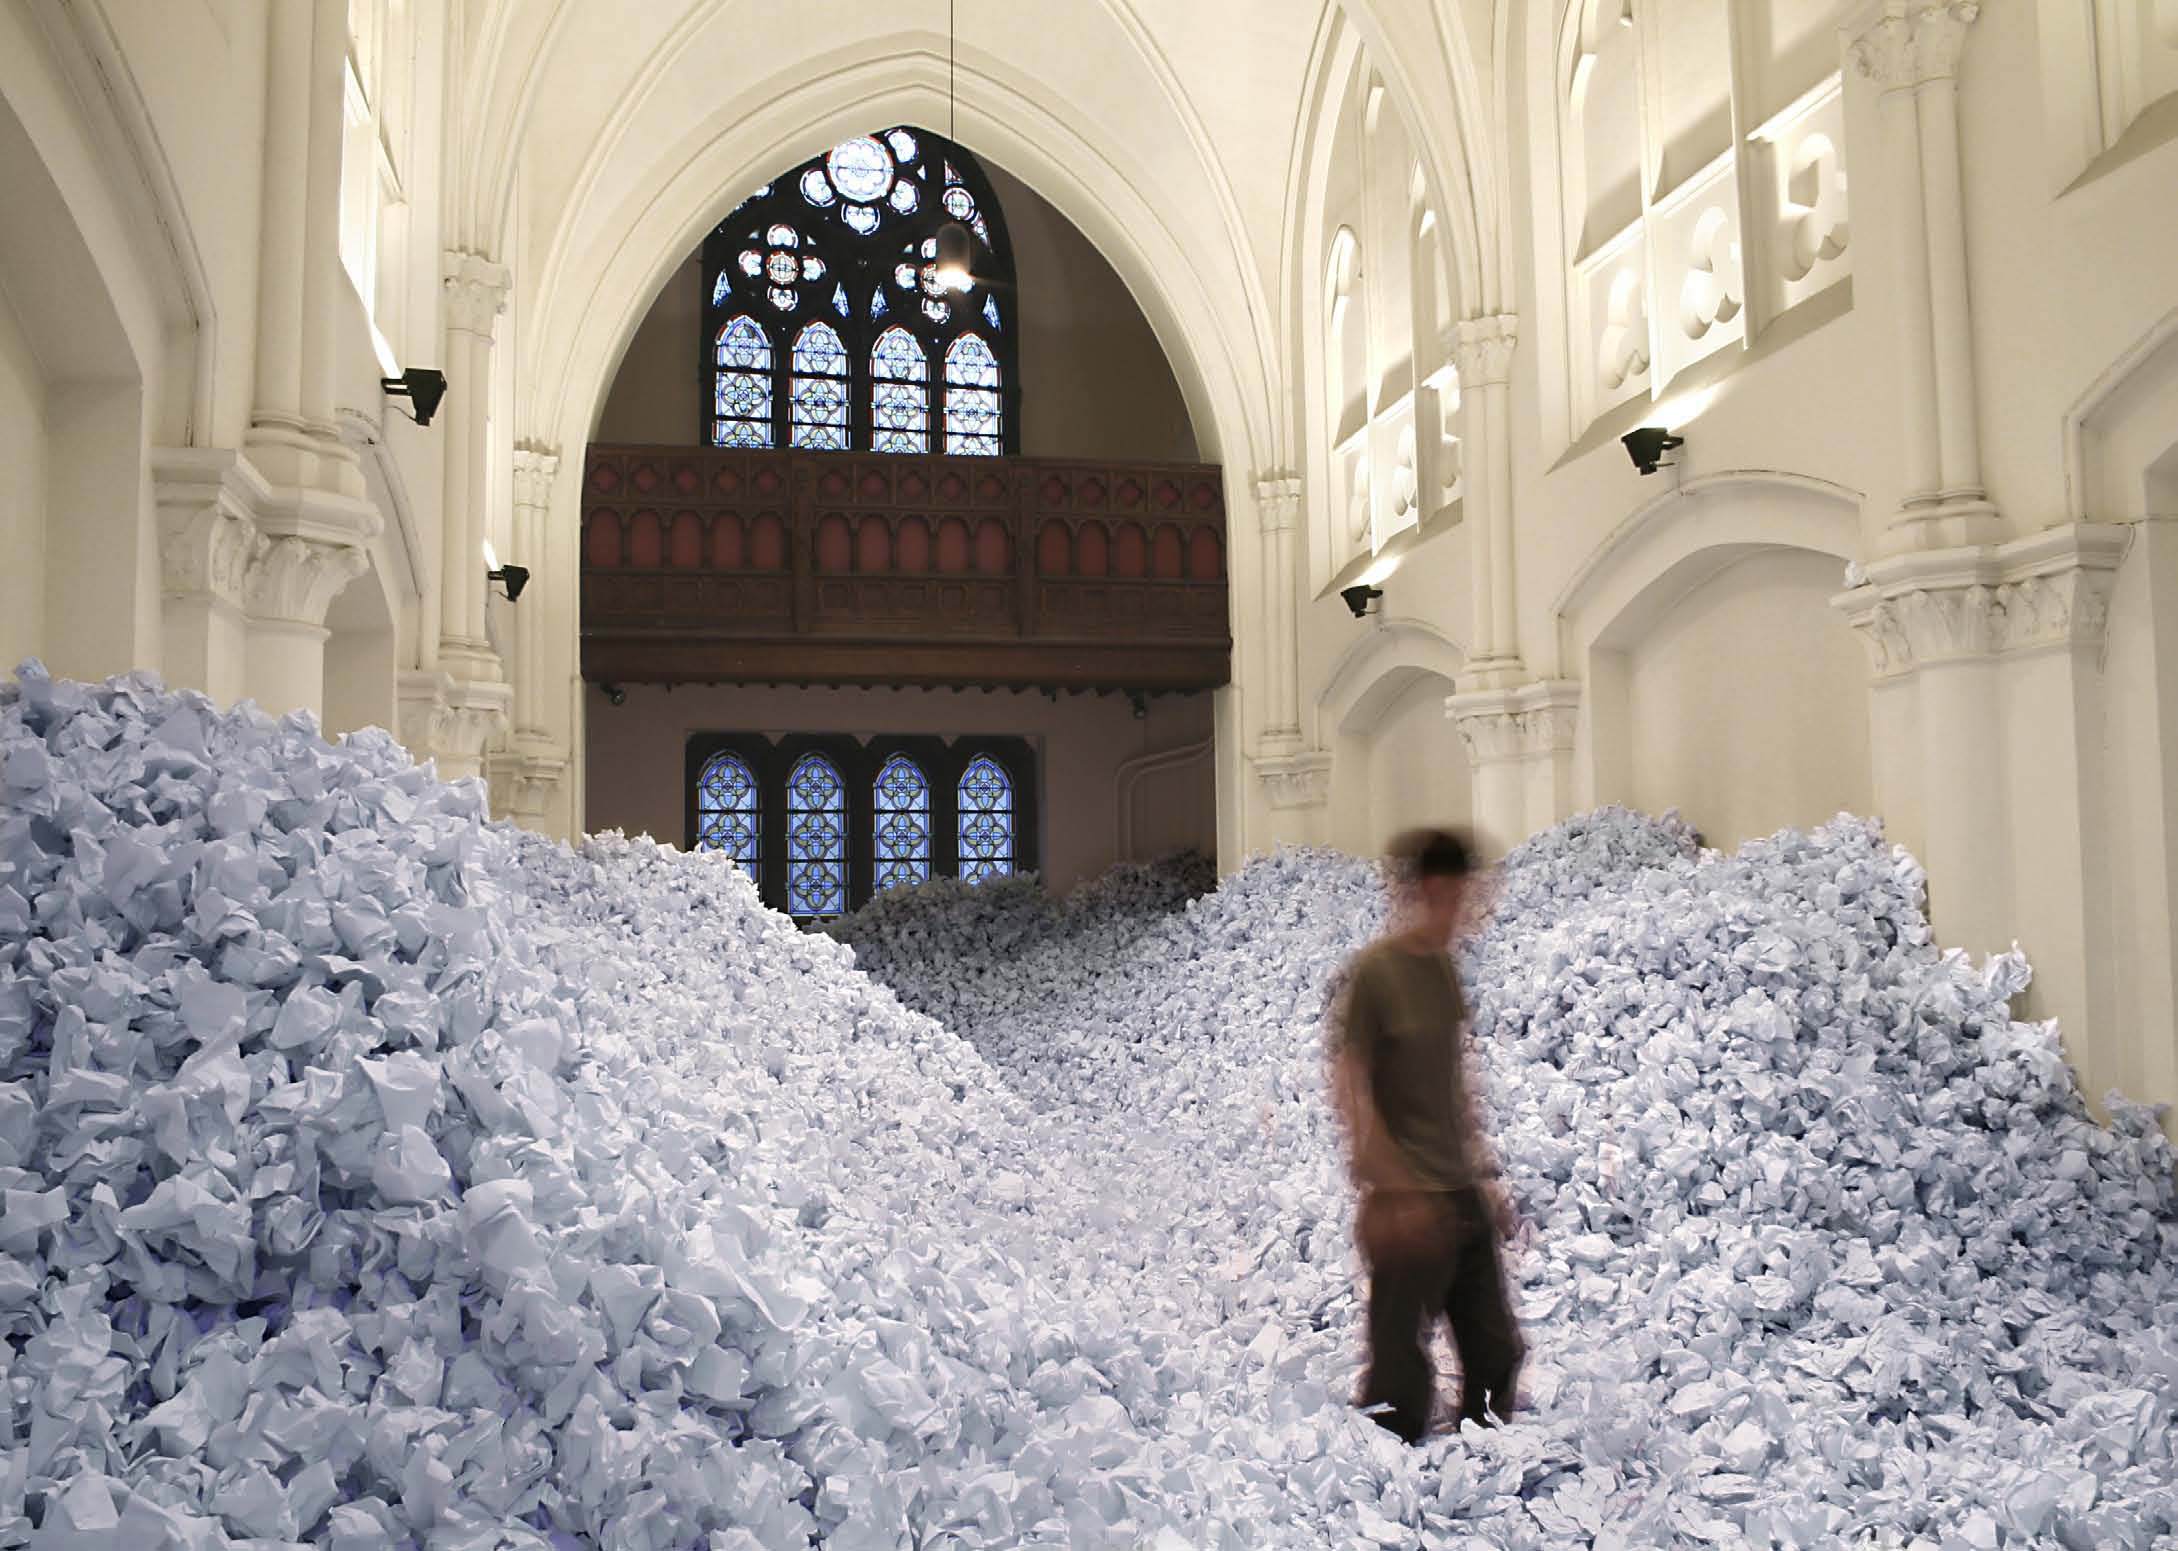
[(835, 544), (1055, 549), (952, 546), (873, 545), (1092, 550), (646, 541), (768, 544), (1130, 552), (601, 539), (729, 544), (994, 548), (911, 549), (685, 548), (1167, 554), (1205, 556)]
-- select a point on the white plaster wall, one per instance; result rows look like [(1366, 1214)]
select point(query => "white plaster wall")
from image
[(1745, 704), (1418, 771), (22, 494), (637, 771)]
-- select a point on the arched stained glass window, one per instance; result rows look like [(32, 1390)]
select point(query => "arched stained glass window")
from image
[(986, 820), (816, 840), (741, 385), (899, 394), (820, 390), (727, 812), (849, 239), (901, 824), (972, 413)]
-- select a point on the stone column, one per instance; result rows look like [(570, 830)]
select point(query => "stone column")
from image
[(1910, 54), (291, 585), (1278, 511), (475, 294), (526, 773), (1485, 351), (1520, 748)]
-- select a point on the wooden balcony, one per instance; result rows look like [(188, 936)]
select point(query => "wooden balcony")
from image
[(707, 565)]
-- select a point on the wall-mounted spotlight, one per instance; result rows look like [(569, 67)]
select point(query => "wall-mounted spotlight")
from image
[(614, 694), (512, 577), (1362, 599), (1138, 703), (1647, 446), (422, 387)]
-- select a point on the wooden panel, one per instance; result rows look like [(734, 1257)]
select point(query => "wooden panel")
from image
[(704, 564)]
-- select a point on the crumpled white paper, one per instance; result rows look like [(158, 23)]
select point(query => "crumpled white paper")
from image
[(372, 1175)]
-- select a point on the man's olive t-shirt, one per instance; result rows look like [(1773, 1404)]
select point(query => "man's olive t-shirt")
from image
[(1403, 1018)]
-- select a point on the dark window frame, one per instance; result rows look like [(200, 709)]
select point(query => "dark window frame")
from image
[(772, 757)]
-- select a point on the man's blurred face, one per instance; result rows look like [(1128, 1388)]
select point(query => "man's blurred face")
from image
[(1435, 903)]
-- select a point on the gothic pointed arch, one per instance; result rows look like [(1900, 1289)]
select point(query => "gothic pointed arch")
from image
[(827, 326)]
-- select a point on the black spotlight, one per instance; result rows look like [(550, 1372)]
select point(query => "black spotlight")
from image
[(1362, 599), (421, 386), (1138, 703), (614, 694), (512, 577), (1647, 446)]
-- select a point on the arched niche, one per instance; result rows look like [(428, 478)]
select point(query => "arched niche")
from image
[(1397, 759), (1717, 678), (80, 586)]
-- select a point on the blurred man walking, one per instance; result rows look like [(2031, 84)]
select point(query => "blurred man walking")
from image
[(1431, 1211)]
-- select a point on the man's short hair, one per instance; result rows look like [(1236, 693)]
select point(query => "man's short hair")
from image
[(1430, 853)]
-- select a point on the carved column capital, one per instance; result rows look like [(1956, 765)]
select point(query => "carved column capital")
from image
[(1278, 502), (524, 778), (476, 291), (1533, 721), (534, 470), (452, 721), (208, 538), (295, 580), (2049, 590), (1301, 779), (1484, 349), (1913, 42)]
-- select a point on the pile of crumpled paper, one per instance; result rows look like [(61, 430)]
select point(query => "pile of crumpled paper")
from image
[(375, 1175)]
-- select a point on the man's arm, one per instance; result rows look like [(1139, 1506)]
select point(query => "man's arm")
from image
[(1372, 1157)]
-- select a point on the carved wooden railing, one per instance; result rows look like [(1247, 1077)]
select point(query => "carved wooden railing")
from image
[(712, 565)]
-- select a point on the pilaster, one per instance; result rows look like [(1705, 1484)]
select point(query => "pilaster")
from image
[(1295, 781), (1484, 351), (1520, 748), (524, 779), (452, 721), (1278, 514)]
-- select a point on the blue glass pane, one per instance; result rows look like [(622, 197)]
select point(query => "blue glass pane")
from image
[(726, 811), (899, 394), (986, 820), (741, 388), (903, 824), (971, 398), (816, 840), (820, 390), (839, 300), (990, 311)]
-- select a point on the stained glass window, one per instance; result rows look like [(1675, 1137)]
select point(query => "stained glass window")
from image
[(971, 398), (741, 386), (986, 820), (902, 824), (899, 394), (840, 240), (816, 840), (727, 810), (820, 390)]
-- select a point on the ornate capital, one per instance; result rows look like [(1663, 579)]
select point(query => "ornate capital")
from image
[(452, 721), (1484, 349), (1913, 42), (523, 779), (296, 579), (476, 291), (534, 470), (1278, 502), (1297, 780), (2049, 590), (1534, 721), (207, 537)]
